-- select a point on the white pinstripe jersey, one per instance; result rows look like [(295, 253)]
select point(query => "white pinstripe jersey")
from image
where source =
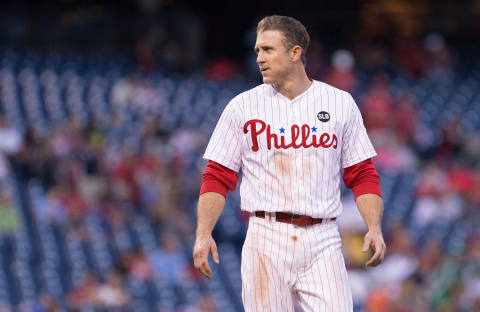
[(291, 151)]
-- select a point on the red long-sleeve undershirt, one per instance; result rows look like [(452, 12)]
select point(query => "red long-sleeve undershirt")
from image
[(219, 179), (362, 178)]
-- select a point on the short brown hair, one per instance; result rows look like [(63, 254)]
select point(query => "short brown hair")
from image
[(294, 31)]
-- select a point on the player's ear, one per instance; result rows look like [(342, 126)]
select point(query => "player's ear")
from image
[(295, 53)]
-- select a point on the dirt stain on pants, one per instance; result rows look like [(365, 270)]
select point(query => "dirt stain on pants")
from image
[(262, 288)]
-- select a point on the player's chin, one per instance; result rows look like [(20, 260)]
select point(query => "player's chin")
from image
[(267, 79)]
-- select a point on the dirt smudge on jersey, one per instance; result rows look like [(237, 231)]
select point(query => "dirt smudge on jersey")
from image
[(294, 238), (285, 167), (283, 163)]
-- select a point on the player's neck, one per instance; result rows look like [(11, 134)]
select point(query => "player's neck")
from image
[(294, 85)]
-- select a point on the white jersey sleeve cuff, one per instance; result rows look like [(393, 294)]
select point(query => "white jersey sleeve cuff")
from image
[(359, 159)]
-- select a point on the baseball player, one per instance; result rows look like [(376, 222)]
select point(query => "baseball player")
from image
[(291, 136)]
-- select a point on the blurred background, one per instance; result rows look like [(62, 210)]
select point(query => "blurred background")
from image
[(106, 108)]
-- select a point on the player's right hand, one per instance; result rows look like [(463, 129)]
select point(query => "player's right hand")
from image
[(204, 244)]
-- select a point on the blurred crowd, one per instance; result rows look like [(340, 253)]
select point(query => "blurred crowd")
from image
[(91, 171), (101, 169), (422, 271), (135, 163)]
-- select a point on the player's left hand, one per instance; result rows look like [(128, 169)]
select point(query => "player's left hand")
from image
[(204, 245), (374, 239)]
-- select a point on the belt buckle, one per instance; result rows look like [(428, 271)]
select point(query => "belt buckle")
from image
[(297, 225)]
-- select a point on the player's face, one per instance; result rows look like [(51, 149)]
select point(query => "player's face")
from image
[(273, 58)]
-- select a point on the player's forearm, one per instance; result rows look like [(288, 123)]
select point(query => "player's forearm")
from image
[(209, 209), (371, 209)]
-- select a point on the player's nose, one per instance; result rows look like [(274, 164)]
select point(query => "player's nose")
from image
[(260, 59)]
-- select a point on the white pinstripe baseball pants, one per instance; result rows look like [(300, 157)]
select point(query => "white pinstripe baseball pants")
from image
[(280, 261)]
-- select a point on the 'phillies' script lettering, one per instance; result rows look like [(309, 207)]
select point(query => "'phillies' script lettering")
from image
[(300, 136)]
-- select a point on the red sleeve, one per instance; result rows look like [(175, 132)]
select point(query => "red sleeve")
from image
[(362, 178), (219, 179)]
